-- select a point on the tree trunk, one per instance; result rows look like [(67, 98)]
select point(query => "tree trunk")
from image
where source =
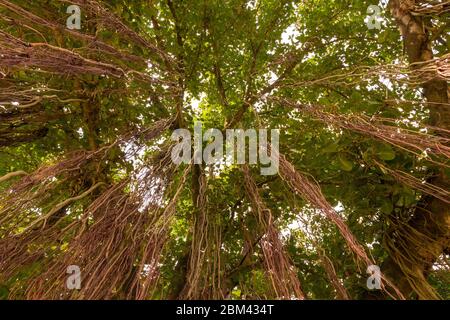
[(431, 219)]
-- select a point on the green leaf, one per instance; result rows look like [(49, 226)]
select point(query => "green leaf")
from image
[(387, 207), (386, 153), (346, 164), (331, 148)]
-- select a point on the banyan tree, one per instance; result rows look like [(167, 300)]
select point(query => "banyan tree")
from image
[(87, 178)]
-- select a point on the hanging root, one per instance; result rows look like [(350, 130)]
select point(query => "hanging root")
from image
[(277, 263), (104, 239), (196, 279), (21, 55), (311, 192), (417, 184), (24, 17), (11, 175), (23, 199), (327, 264), (112, 22), (406, 245), (420, 144), (411, 141), (401, 73), (156, 236), (432, 8), (203, 280), (109, 239)]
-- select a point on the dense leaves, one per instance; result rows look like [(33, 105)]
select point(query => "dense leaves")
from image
[(87, 116)]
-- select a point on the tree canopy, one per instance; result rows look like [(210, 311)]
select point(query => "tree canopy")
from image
[(86, 177)]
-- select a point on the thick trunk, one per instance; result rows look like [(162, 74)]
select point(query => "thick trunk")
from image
[(431, 219)]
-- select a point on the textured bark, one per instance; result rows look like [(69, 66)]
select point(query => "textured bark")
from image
[(431, 217)]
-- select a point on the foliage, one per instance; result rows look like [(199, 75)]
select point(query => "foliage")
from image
[(90, 113)]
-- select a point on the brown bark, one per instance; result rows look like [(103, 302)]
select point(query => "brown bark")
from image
[(431, 218)]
